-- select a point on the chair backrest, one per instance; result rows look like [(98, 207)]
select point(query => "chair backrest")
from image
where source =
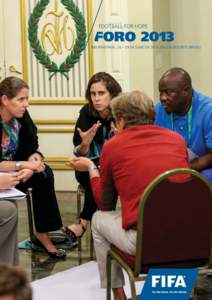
[(175, 221)]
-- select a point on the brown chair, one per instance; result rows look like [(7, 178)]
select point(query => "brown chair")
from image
[(174, 227)]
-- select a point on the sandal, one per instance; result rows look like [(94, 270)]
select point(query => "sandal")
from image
[(59, 253), (70, 235)]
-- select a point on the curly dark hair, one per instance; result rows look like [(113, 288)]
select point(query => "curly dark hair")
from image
[(110, 83)]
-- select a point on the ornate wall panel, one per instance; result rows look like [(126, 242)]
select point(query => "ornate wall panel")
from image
[(53, 27)]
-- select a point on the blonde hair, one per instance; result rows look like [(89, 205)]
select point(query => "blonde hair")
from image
[(135, 107)]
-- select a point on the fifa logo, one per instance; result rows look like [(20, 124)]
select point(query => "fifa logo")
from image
[(168, 281)]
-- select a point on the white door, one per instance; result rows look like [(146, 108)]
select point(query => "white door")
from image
[(10, 36)]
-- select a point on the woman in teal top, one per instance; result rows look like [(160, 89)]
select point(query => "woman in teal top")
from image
[(19, 153)]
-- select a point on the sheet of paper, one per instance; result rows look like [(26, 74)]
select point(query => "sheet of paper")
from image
[(12, 194)]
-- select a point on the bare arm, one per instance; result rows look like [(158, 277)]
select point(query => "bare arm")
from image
[(10, 166), (7, 166), (202, 162)]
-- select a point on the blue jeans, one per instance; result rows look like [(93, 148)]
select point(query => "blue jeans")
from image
[(207, 173)]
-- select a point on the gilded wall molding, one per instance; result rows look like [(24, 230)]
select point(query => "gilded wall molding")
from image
[(90, 49), (58, 163), (56, 102), (60, 167), (59, 159), (54, 122), (55, 130), (26, 62), (24, 41)]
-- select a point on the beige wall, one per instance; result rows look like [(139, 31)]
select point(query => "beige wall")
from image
[(141, 68), (191, 20), (206, 47), (185, 20), (162, 57), (192, 24)]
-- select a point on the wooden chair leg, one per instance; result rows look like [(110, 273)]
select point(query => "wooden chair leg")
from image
[(79, 194), (91, 246), (30, 214)]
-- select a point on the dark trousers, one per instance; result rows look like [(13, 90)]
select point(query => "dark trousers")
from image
[(90, 206), (46, 212)]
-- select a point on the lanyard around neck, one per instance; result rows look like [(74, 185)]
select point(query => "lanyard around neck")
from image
[(98, 147), (11, 133), (189, 124)]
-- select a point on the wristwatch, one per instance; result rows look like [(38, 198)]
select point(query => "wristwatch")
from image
[(18, 166)]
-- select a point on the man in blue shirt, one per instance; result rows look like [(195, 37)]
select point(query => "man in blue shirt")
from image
[(189, 113)]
